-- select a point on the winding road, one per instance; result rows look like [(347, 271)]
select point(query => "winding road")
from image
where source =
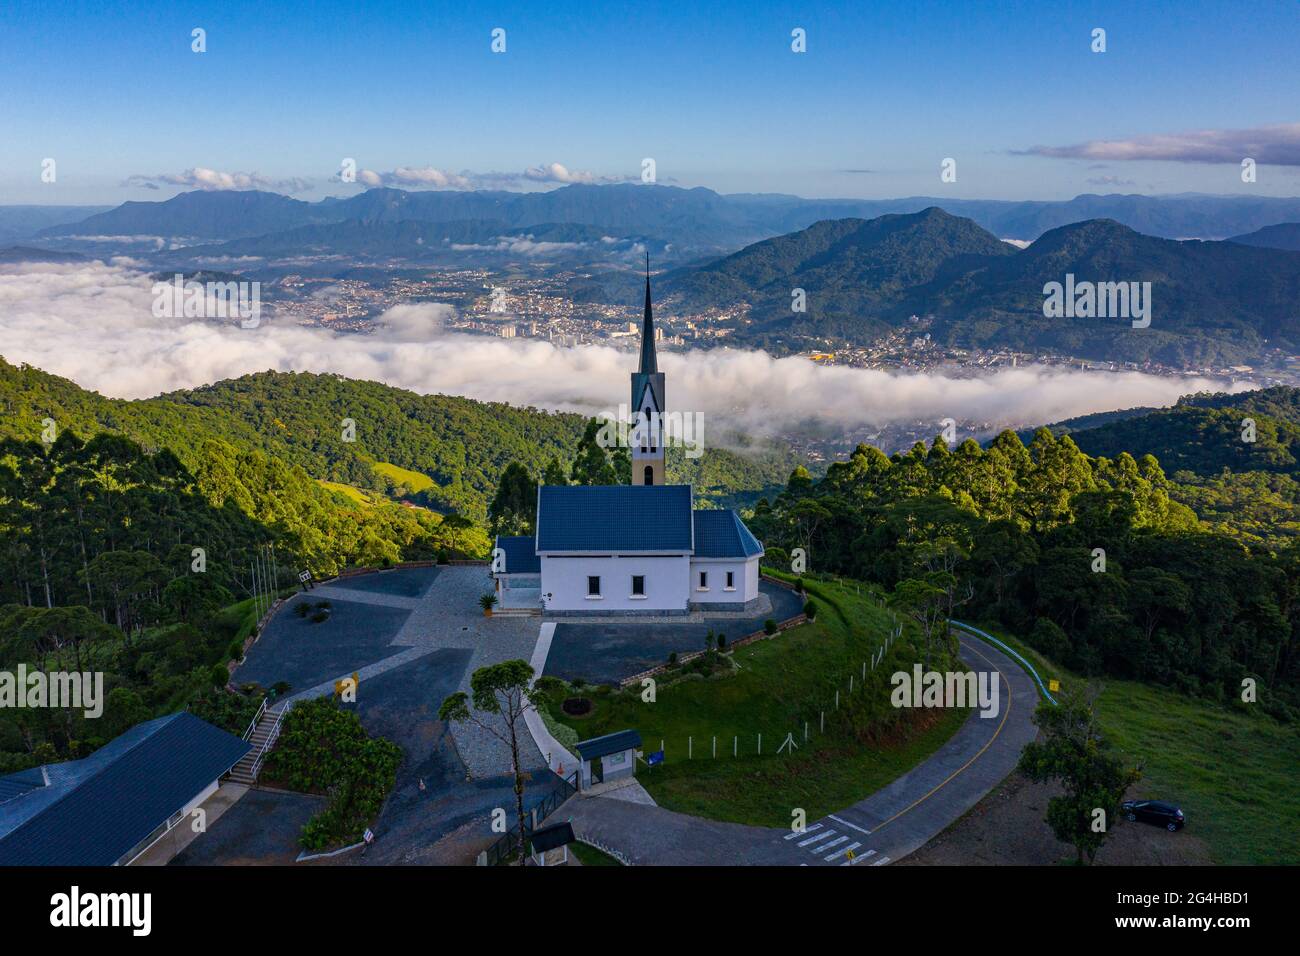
[(884, 827)]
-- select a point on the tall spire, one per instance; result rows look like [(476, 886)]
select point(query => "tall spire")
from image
[(648, 364)]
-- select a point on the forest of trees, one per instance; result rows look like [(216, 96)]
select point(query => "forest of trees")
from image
[(1089, 558)]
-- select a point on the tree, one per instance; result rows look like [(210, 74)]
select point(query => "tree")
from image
[(554, 473), (592, 465), (924, 600), (1074, 753), (506, 693), (514, 507)]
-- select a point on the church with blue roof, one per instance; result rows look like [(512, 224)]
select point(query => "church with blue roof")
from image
[(640, 548)]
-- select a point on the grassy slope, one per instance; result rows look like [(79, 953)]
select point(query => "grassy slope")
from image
[(780, 684), (1233, 772), (355, 494), (413, 481)]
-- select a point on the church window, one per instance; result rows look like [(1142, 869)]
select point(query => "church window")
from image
[(649, 475), (731, 580), (704, 580), (638, 585), (593, 585)]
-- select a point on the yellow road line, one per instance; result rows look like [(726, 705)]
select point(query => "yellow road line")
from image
[(1005, 715)]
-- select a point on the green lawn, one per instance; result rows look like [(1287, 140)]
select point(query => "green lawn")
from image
[(589, 856), (413, 481), (1236, 773), (781, 684), (356, 494)]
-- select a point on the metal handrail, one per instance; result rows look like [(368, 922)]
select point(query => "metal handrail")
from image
[(271, 738), (248, 734)]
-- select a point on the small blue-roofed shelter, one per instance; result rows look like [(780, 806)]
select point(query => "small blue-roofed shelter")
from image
[(608, 758)]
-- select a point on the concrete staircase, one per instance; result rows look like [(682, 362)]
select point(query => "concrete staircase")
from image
[(262, 736)]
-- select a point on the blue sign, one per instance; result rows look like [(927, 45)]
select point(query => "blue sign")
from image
[(654, 758)]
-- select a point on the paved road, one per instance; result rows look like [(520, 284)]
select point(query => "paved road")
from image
[(884, 827)]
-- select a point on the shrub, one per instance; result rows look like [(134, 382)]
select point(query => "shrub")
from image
[(236, 651), (708, 640), (324, 749), (672, 658), (487, 600), (769, 626), (302, 608), (810, 610), (722, 642), (319, 616), (220, 676)]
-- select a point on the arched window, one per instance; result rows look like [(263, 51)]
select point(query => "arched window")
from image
[(649, 475)]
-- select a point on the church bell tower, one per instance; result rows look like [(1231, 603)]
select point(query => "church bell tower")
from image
[(647, 433)]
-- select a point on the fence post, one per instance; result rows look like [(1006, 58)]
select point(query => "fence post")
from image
[(837, 700), (805, 731), (735, 746), (823, 725), (760, 744), (690, 747), (715, 748)]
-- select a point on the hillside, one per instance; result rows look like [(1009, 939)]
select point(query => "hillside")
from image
[(1211, 302), (458, 446), (855, 272), (1203, 433), (1284, 235)]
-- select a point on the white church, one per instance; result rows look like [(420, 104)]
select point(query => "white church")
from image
[(632, 549)]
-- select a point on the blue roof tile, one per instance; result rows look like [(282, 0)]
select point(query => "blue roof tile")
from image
[(521, 555), (96, 809), (644, 518), (721, 534)]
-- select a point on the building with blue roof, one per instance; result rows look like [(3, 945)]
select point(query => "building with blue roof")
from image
[(108, 808), (639, 548)]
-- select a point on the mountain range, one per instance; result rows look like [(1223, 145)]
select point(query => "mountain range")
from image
[(1283, 235), (690, 219), (1212, 302)]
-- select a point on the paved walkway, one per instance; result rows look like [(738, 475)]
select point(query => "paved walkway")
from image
[(412, 637), (884, 827)]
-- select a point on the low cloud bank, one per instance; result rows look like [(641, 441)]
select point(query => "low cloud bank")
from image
[(93, 323)]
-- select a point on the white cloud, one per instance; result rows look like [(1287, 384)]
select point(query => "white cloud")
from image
[(93, 323), (212, 180), (1275, 145)]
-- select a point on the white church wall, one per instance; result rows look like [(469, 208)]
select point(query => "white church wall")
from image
[(744, 581), (666, 583)]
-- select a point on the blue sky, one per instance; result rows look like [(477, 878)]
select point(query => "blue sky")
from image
[(712, 92)]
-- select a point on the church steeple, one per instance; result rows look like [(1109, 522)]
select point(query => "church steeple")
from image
[(648, 365), (648, 404)]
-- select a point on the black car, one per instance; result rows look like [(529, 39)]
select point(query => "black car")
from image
[(1154, 811)]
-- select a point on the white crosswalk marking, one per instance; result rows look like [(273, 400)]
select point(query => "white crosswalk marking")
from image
[(837, 853), (883, 860), (818, 838), (851, 826), (827, 846), (858, 859), (803, 832)]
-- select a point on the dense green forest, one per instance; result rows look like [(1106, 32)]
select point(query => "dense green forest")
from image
[(1089, 558), (460, 445), (1233, 458)]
